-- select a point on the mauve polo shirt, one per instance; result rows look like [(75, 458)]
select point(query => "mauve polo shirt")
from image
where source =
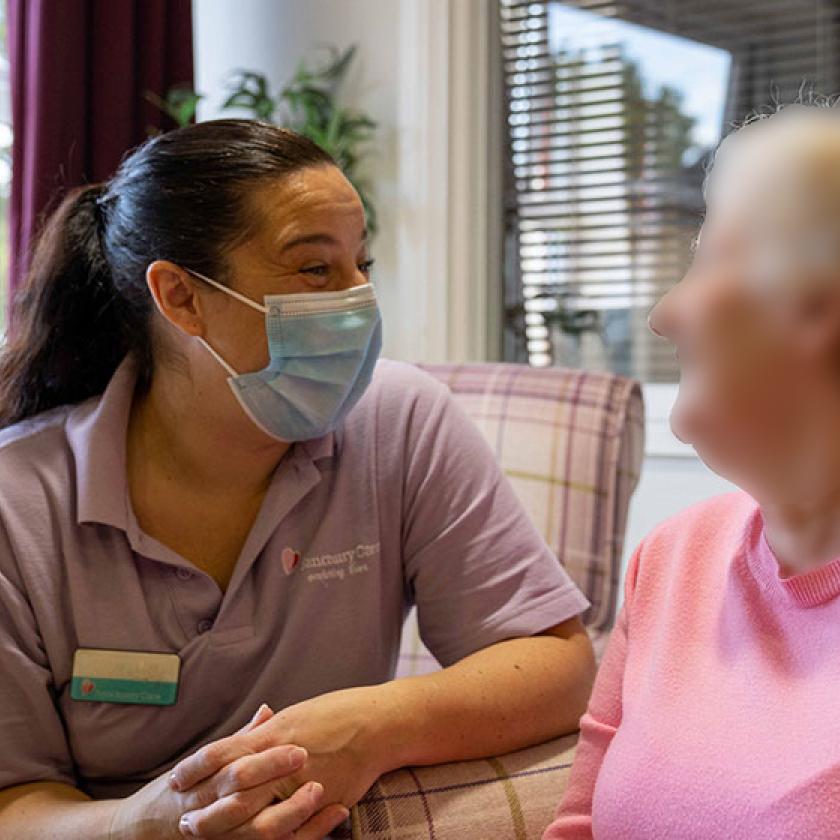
[(403, 504)]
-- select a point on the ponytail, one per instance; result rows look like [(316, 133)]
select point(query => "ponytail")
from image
[(68, 323)]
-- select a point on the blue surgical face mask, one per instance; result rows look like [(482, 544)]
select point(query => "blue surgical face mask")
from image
[(323, 348)]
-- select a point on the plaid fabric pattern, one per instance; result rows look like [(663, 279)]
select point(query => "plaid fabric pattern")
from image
[(513, 796), (571, 442)]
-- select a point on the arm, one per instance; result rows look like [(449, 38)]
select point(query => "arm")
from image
[(512, 694), (515, 692), (34, 742), (26, 812), (597, 729), (242, 800)]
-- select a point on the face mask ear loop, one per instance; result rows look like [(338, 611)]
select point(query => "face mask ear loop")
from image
[(252, 303), (218, 358)]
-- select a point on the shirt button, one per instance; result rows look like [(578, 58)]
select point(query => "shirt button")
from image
[(183, 574), (204, 625)]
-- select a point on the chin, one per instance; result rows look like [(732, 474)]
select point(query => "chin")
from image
[(683, 422), (712, 443)]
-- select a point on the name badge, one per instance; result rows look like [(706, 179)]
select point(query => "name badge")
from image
[(125, 676)]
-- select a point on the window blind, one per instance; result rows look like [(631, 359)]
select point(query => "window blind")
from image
[(613, 112)]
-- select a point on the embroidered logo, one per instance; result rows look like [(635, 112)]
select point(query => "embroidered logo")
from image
[(340, 565), (290, 560)]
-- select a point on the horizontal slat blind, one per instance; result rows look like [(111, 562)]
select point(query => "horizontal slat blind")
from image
[(606, 165)]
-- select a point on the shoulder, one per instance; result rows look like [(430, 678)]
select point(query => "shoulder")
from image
[(393, 379), (37, 468), (31, 443), (717, 519), (410, 418), (400, 394), (700, 540)]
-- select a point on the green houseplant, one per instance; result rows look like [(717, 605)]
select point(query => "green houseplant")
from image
[(308, 104)]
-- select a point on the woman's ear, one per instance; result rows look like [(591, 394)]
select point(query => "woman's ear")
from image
[(174, 294)]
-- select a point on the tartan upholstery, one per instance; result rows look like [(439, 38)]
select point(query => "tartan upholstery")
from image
[(511, 796), (571, 443)]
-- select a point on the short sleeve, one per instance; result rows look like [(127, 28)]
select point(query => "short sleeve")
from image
[(34, 743), (477, 567)]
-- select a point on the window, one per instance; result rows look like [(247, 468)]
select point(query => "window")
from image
[(614, 110)]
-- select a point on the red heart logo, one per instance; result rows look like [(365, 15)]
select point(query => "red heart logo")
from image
[(290, 559)]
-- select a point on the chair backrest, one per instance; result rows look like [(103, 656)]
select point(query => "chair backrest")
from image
[(571, 442)]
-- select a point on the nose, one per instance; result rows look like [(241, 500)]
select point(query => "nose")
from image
[(653, 320), (350, 281), (661, 319)]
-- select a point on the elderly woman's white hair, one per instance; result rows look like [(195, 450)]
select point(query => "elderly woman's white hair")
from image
[(781, 166)]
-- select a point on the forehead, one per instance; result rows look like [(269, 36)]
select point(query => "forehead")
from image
[(784, 168), (317, 197)]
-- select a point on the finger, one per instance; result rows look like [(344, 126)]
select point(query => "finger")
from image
[(266, 766), (322, 823), (283, 819), (227, 813), (271, 765), (208, 760), (215, 755), (263, 714)]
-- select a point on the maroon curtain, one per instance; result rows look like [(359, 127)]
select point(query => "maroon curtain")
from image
[(79, 71)]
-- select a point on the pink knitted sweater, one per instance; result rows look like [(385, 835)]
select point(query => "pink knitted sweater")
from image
[(716, 711)]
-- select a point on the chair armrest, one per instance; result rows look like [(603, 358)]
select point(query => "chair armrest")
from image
[(511, 796)]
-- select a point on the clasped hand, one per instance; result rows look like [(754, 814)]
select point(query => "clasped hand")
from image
[(318, 758)]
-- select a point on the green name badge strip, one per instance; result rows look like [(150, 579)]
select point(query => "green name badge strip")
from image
[(125, 676)]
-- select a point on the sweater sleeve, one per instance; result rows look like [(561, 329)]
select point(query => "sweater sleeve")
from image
[(573, 820)]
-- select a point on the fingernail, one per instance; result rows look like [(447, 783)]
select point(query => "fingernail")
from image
[(173, 782), (344, 815), (298, 756), (316, 789), (258, 713), (185, 827)]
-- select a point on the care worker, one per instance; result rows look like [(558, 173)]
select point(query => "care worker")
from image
[(216, 502)]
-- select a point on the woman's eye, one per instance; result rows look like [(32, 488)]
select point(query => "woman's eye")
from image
[(317, 270), (323, 270)]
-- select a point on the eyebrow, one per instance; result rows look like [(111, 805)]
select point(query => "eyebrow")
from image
[(316, 239)]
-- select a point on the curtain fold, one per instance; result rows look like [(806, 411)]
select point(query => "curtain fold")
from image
[(79, 71)]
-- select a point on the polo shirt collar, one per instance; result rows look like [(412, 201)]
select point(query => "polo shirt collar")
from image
[(322, 447), (96, 432)]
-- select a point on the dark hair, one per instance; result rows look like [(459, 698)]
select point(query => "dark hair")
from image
[(181, 196)]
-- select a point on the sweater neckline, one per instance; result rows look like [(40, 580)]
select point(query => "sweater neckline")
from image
[(806, 589)]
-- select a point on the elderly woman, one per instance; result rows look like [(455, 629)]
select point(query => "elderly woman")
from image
[(714, 714), (215, 502)]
